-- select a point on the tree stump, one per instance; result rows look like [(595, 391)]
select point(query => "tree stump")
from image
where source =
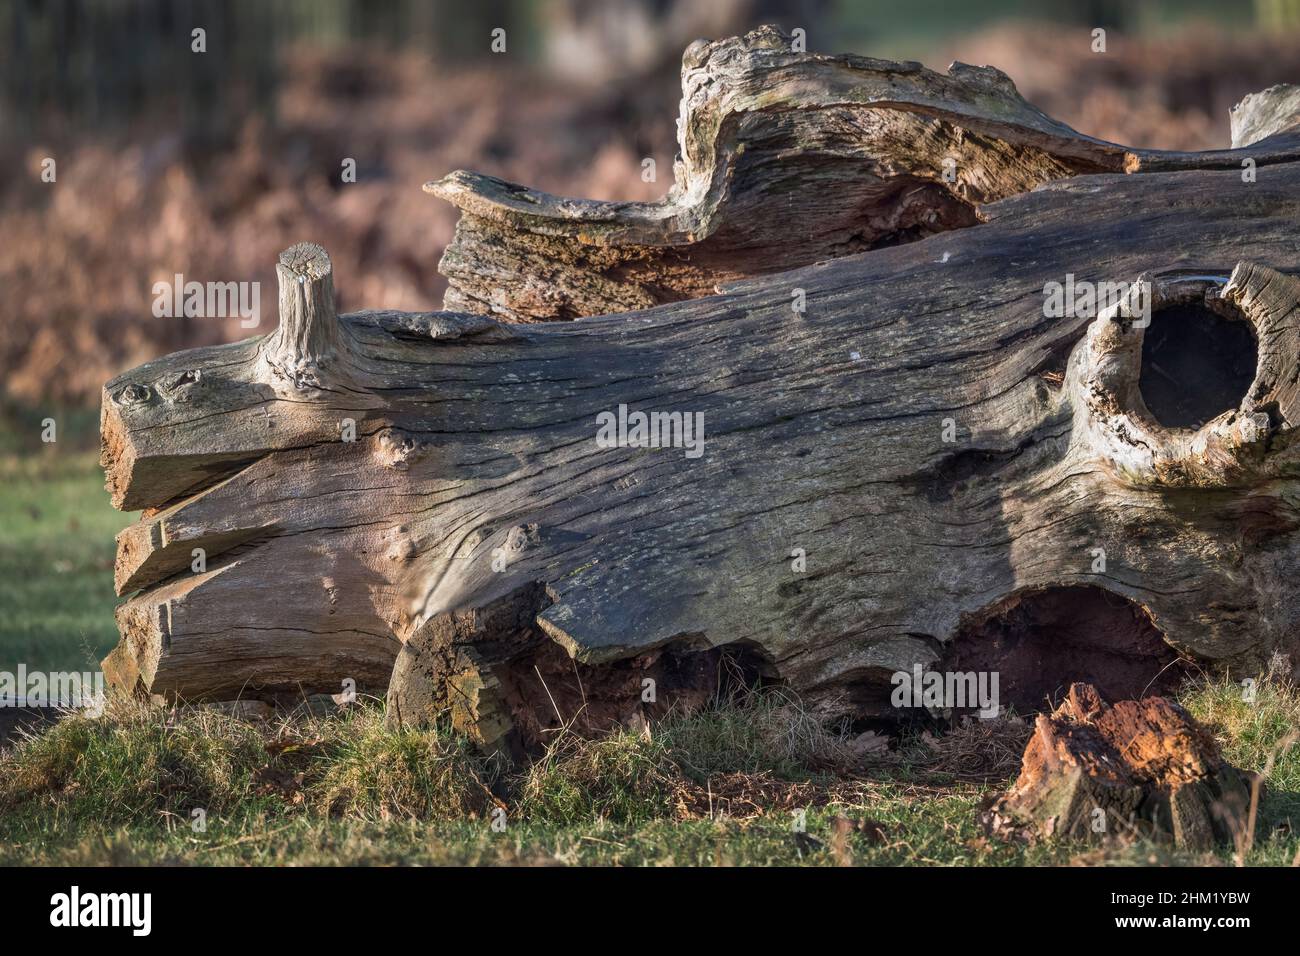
[(1139, 768), (905, 459)]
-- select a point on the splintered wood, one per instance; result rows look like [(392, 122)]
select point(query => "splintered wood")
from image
[(1138, 768)]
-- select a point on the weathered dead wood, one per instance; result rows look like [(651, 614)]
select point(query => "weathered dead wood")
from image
[(309, 349), (823, 432), (1097, 772), (1269, 113), (920, 463), (786, 159)]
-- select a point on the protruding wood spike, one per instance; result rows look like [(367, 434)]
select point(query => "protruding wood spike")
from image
[(309, 349)]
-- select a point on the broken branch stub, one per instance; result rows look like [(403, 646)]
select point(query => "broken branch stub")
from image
[(309, 348), (1247, 443), (922, 460)]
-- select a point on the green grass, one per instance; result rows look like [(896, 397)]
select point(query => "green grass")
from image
[(1261, 735), (344, 789), (725, 786), (56, 561)]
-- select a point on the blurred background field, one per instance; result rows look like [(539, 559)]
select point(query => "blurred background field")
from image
[(170, 161), (56, 563)]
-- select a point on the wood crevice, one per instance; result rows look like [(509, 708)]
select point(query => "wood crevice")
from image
[(829, 525)]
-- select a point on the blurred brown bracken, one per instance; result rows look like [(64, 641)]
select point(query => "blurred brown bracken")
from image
[(79, 258)]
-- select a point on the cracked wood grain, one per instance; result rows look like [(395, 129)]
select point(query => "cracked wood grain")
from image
[(423, 495), (786, 159), (326, 557)]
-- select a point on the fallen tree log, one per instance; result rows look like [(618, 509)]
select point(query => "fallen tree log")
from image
[(1133, 770), (920, 467)]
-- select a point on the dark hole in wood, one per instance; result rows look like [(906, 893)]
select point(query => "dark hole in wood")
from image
[(1039, 642), (1196, 364), (547, 690)]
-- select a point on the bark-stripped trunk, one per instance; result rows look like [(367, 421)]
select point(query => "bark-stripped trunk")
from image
[(918, 468)]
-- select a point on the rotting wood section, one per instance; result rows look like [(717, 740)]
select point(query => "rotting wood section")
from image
[(786, 159), (476, 522), (1135, 769)]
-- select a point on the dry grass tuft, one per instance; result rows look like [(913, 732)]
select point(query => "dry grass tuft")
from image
[(766, 730), (976, 750), (368, 771)]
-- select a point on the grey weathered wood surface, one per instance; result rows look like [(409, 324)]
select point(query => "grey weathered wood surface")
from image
[(475, 440), (786, 159)]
